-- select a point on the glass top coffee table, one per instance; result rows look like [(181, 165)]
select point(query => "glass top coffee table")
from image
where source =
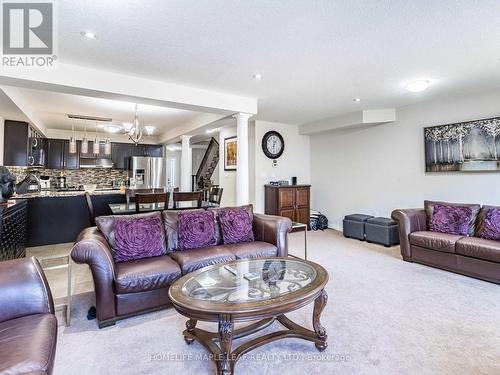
[(262, 290)]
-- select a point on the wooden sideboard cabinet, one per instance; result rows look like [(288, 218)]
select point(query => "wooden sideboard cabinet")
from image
[(292, 201)]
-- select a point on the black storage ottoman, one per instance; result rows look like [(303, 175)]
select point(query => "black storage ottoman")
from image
[(382, 230), (354, 226)]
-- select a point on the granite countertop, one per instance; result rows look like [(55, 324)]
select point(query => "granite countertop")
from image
[(67, 193)]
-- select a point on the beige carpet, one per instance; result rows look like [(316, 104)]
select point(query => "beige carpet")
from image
[(384, 316)]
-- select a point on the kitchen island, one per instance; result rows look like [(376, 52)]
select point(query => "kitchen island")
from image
[(58, 216)]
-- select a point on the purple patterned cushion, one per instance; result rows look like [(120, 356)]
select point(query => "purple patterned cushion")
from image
[(196, 229), (235, 225), (491, 228), (450, 219), (137, 238)]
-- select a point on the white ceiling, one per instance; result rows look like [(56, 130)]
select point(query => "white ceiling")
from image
[(52, 108), (316, 56)]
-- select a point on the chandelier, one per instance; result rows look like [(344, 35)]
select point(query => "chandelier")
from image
[(133, 130)]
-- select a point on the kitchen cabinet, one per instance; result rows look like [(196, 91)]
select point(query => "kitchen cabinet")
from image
[(23, 145), (72, 161), (292, 201), (55, 154), (121, 151), (59, 157)]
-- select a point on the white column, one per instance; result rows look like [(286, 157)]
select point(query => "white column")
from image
[(242, 167), (186, 163)]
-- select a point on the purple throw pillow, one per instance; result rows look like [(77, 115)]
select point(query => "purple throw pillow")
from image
[(451, 219), (138, 238), (236, 225), (196, 229), (491, 228)]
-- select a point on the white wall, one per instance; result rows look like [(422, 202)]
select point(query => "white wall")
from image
[(375, 170), (295, 160), (227, 179), (173, 167)]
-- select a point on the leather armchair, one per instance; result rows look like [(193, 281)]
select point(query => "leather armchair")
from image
[(409, 221), (274, 230), (28, 326)]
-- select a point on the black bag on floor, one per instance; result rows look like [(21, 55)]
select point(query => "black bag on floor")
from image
[(318, 221)]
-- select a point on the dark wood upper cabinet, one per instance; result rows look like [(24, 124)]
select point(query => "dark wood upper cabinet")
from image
[(15, 143), (72, 161), (55, 154), (119, 153), (154, 150)]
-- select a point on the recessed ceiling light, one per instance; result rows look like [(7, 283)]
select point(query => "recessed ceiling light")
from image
[(89, 34), (258, 76), (418, 85), (356, 100)]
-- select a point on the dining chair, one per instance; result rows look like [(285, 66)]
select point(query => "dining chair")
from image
[(215, 195), (90, 208), (130, 193), (187, 196), (142, 198)]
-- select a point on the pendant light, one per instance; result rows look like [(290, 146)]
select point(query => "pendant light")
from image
[(96, 142), (107, 145), (72, 141), (85, 141), (134, 132)]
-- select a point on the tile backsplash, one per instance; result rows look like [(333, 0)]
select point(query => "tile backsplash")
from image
[(74, 177)]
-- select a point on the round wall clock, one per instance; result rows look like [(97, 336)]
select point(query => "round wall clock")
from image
[(273, 144)]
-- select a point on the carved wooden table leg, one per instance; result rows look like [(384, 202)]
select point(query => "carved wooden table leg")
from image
[(225, 365), (319, 305), (190, 325)]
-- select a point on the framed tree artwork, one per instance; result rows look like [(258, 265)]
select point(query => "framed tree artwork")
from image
[(472, 146), (230, 153)]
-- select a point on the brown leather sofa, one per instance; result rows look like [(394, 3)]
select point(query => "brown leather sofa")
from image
[(125, 289), (468, 255), (28, 326)]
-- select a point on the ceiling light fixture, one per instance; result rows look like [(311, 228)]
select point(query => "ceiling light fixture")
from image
[(107, 145), (95, 147), (418, 85), (357, 100), (149, 129), (89, 34), (258, 76), (85, 141), (135, 131), (72, 140)]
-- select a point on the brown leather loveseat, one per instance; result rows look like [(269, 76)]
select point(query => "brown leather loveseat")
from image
[(468, 255), (127, 288), (28, 326)]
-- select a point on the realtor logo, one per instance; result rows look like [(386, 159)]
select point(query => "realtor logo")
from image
[(28, 34)]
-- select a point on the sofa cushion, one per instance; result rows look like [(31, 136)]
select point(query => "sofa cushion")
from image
[(145, 274), (196, 229), (28, 344), (480, 248), (218, 233), (480, 219), (138, 238), (450, 219), (491, 225), (172, 227), (256, 249), (236, 225), (106, 225), (429, 209), (194, 259), (443, 242)]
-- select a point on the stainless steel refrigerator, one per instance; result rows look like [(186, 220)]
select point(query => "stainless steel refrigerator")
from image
[(146, 172)]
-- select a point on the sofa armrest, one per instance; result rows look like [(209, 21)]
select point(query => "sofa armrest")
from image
[(273, 229), (24, 289), (92, 248), (409, 221)]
